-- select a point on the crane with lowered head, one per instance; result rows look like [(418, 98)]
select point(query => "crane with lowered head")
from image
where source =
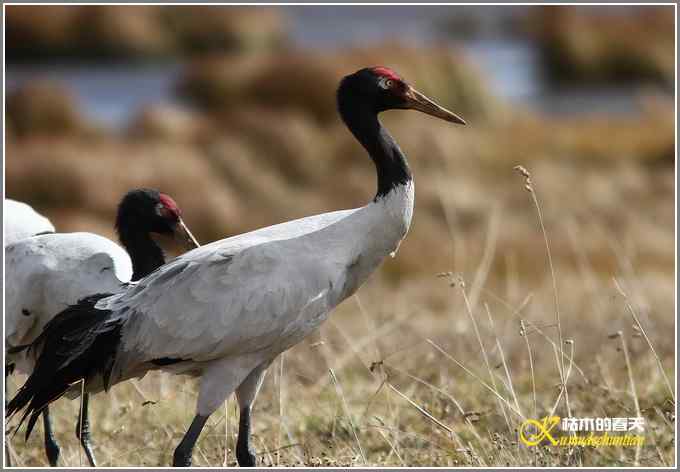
[(47, 273)]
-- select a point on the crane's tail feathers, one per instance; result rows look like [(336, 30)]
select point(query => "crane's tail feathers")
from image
[(78, 344)]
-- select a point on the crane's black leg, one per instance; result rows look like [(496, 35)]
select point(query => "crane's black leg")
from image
[(182, 456), (83, 431), (51, 446), (244, 451), (245, 394)]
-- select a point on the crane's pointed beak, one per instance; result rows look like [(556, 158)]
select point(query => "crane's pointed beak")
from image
[(417, 101), (183, 235)]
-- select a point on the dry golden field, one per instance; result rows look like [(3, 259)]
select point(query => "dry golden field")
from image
[(453, 343)]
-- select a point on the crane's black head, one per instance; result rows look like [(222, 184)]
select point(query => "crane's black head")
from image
[(143, 211), (380, 88)]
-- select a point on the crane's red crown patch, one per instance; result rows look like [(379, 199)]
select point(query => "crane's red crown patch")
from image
[(170, 204), (386, 72)]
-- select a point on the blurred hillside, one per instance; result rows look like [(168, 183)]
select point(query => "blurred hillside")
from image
[(248, 136), (137, 32)]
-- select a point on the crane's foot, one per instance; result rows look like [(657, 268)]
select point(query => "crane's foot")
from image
[(245, 457), (181, 459), (52, 450), (84, 437), (51, 447), (182, 455)]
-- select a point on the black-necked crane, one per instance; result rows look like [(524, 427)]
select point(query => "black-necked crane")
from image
[(225, 311), (22, 221), (47, 273)]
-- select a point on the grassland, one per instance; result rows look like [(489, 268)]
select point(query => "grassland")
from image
[(399, 394)]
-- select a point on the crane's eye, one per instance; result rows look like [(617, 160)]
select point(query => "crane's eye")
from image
[(167, 213), (162, 210), (385, 83)]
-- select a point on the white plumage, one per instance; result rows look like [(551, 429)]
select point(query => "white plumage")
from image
[(22, 221), (47, 273)]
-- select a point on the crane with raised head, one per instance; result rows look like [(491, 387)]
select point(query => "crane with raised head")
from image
[(225, 311)]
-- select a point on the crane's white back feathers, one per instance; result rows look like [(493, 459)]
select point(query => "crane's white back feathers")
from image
[(22, 221), (47, 273)]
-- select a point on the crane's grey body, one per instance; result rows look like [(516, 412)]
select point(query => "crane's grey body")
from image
[(230, 307)]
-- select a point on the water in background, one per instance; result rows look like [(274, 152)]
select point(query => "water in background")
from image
[(113, 93)]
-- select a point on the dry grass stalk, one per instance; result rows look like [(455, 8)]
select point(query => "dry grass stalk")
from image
[(463, 414), (476, 377), (80, 421), (523, 333), (370, 326), (506, 368), (531, 328), (633, 390), (659, 364), (570, 343), (484, 268), (468, 309), (529, 186), (340, 393), (13, 460), (421, 410), (393, 449), (168, 432), (342, 361)]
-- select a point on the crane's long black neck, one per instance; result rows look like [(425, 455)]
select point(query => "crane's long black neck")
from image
[(390, 162), (145, 253)]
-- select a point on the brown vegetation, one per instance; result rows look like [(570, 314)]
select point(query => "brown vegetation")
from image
[(301, 80), (582, 44), (105, 31), (45, 108), (214, 28)]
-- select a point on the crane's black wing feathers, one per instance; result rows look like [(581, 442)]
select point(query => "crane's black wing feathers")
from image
[(77, 344)]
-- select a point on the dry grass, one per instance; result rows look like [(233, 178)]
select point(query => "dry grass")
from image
[(591, 44), (422, 373)]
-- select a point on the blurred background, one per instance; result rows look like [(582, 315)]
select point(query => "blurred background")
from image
[(231, 110)]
